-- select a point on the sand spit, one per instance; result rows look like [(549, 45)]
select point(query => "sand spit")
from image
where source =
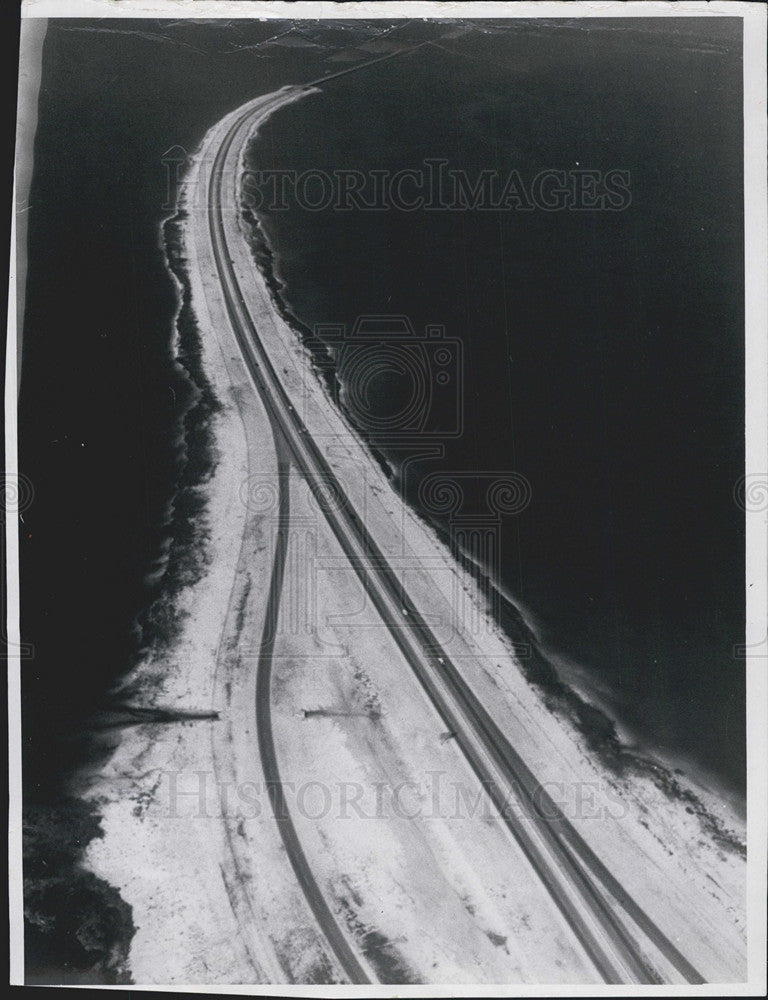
[(416, 867)]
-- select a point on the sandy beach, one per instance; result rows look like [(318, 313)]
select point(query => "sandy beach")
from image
[(416, 867)]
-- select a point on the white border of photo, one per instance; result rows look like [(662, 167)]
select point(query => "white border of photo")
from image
[(756, 422)]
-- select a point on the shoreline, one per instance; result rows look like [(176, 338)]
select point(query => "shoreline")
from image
[(602, 728), (181, 560), (128, 789), (179, 563), (637, 773)]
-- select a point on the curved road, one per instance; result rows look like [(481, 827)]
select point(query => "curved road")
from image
[(592, 901)]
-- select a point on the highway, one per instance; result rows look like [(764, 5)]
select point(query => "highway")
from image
[(620, 939)]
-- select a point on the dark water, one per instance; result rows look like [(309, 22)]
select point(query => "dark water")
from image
[(603, 352), (112, 430), (102, 402)]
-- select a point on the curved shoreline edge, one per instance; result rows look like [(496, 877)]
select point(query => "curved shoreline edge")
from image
[(699, 791), (659, 776), (67, 828)]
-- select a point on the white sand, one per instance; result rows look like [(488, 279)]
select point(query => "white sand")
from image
[(213, 896)]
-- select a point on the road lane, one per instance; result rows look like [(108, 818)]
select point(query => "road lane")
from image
[(584, 890)]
